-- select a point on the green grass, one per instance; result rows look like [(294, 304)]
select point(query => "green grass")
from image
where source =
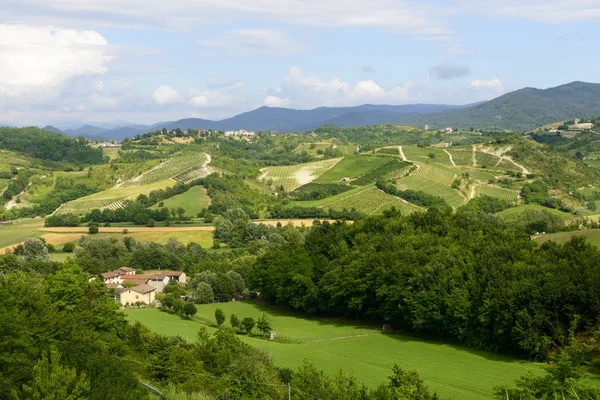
[(352, 167), (477, 174), (413, 182), (498, 192), (462, 157), (486, 160), (192, 201), (592, 236), (593, 163), (366, 199), (421, 154), (443, 176), (294, 176), (313, 152), (511, 212), (19, 230), (451, 371), (168, 169)]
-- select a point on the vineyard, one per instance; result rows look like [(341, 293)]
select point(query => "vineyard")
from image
[(486, 160), (434, 188), (498, 192), (192, 174), (435, 174), (366, 199), (294, 176), (462, 157), (169, 169), (423, 154), (352, 167)]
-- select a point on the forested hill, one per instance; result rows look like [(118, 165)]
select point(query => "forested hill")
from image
[(520, 110), (49, 146)]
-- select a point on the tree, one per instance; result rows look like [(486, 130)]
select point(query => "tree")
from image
[(189, 309), (408, 385), (238, 281), (168, 300), (68, 247), (248, 323), (177, 305), (263, 324), (234, 321), (52, 380), (93, 229), (35, 249), (219, 316), (203, 293), (180, 212)]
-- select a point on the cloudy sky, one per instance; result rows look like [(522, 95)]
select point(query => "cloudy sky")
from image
[(154, 60)]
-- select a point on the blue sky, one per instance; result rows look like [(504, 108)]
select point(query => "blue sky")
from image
[(149, 60)]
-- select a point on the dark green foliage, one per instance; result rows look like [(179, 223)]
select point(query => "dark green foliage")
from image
[(314, 212), (462, 276), (316, 191), (92, 228), (189, 310), (486, 204), (17, 184), (248, 324), (417, 197), (220, 316), (62, 220), (68, 247), (380, 172), (49, 146)]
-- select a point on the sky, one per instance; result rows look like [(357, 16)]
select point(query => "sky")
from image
[(146, 61)]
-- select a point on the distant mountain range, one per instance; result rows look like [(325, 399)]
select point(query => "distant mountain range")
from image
[(520, 110)]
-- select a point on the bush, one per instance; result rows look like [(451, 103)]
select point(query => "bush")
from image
[(68, 247), (248, 323), (125, 231), (219, 316), (93, 229), (189, 310)]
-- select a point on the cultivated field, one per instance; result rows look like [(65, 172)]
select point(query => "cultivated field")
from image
[(352, 167), (511, 212), (435, 174), (592, 236), (366, 199), (432, 187), (462, 157), (498, 192), (334, 344), (421, 154), (108, 197), (486, 160), (168, 169), (192, 201), (294, 176)]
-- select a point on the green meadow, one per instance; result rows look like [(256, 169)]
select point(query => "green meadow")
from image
[(192, 201), (334, 344)]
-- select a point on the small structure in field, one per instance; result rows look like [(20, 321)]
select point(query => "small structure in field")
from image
[(272, 335)]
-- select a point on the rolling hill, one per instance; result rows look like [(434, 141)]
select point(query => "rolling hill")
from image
[(520, 110)]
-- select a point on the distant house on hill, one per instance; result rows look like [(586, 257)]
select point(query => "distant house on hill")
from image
[(141, 293), (157, 281), (117, 275), (448, 129)]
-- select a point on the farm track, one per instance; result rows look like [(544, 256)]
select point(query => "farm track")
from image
[(450, 155), (402, 154)]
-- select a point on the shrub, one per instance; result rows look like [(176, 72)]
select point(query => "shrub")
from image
[(248, 323), (68, 247), (219, 316), (93, 229)]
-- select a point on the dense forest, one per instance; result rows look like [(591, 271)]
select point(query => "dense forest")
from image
[(49, 146)]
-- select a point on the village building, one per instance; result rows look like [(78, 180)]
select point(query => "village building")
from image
[(142, 293)]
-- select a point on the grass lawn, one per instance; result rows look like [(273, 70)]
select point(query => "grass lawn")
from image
[(451, 371), (192, 201), (421, 154), (432, 187), (19, 230), (352, 167)]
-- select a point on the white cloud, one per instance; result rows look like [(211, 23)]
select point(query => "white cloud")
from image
[(217, 82), (40, 59), (98, 102), (99, 85), (492, 84), (212, 99), (165, 95), (253, 42), (274, 101), (305, 91)]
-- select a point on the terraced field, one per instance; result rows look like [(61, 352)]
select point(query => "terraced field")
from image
[(477, 174), (108, 197), (498, 192), (352, 167), (366, 199), (168, 169), (193, 174), (462, 157), (421, 154), (413, 182), (294, 176), (445, 177)]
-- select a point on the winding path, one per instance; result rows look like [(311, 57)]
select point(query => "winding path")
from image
[(401, 152), (451, 159)]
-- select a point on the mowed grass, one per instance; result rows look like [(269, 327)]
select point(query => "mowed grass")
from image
[(451, 371), (498, 192), (592, 236), (192, 201), (294, 176), (434, 188), (421, 154), (366, 199), (352, 167)]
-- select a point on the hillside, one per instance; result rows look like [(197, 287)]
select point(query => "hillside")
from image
[(520, 110)]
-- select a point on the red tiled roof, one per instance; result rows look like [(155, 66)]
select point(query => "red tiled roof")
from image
[(159, 277)]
